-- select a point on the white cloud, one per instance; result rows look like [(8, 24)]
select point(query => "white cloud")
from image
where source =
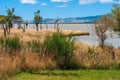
[(106, 1), (28, 1), (43, 4), (94, 1), (60, 0), (62, 6), (87, 1)]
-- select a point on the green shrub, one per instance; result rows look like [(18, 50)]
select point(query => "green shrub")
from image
[(117, 29), (61, 48), (12, 43), (35, 46)]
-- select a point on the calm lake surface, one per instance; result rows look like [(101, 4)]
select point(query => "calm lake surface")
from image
[(113, 39)]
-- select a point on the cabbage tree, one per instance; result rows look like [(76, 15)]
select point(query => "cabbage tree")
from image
[(37, 18)]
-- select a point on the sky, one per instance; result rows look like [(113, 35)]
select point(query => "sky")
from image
[(60, 8)]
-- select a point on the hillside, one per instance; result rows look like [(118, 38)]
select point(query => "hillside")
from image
[(75, 20)]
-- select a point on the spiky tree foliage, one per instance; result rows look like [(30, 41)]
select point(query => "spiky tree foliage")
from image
[(37, 18), (10, 18), (18, 20)]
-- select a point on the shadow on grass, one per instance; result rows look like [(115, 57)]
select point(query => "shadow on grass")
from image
[(54, 73)]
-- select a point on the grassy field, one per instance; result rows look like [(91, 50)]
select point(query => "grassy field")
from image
[(70, 75)]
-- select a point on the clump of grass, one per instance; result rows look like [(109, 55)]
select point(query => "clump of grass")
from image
[(8, 65), (33, 62), (35, 46)]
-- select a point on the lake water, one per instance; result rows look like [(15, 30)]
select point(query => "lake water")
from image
[(91, 39)]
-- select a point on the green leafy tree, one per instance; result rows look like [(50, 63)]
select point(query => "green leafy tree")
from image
[(116, 13), (10, 18), (37, 18)]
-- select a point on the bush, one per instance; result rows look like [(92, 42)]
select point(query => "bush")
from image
[(10, 44), (60, 48), (35, 46), (13, 43)]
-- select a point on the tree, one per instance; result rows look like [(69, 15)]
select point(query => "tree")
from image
[(10, 18), (26, 23), (116, 13), (41, 23), (37, 18), (101, 26), (46, 23), (18, 20), (3, 20), (56, 24)]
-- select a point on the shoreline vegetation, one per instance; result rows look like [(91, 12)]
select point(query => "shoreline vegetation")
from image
[(32, 34), (32, 51), (46, 31)]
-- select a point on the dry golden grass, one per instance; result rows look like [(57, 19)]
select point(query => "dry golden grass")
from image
[(32, 34), (8, 65), (94, 56), (37, 62), (24, 61)]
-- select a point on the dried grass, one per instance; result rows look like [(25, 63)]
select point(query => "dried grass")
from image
[(32, 34), (96, 57)]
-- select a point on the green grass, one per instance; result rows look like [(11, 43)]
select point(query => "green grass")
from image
[(70, 75)]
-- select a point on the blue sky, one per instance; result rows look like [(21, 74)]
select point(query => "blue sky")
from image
[(60, 8)]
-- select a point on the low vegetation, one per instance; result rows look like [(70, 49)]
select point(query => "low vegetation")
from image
[(70, 75), (61, 48), (56, 51)]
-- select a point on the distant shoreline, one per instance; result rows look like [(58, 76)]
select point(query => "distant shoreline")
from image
[(59, 23)]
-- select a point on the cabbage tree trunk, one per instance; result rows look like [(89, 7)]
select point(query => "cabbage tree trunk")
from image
[(37, 27)]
